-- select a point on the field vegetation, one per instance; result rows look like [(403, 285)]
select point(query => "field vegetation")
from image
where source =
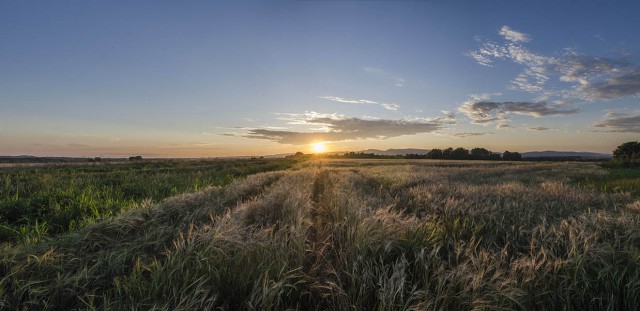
[(352, 235), (40, 201)]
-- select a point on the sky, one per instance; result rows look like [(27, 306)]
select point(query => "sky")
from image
[(214, 78)]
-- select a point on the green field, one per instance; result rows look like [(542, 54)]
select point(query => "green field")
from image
[(332, 235), (37, 202)]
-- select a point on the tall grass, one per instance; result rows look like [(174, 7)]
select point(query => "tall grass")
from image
[(38, 202), (417, 235)]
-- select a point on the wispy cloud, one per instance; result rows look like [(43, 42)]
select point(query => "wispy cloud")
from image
[(372, 70), (487, 112), (392, 107), (619, 123), (539, 128), (388, 106), (340, 128), (469, 134), (593, 78), (512, 35), (600, 78), (447, 116)]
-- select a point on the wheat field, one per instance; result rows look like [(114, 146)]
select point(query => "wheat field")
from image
[(352, 235)]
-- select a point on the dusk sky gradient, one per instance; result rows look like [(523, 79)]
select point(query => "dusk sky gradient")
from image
[(210, 78)]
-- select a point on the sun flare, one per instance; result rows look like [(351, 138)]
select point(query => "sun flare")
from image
[(318, 147)]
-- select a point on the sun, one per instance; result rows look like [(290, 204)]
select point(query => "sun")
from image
[(318, 147)]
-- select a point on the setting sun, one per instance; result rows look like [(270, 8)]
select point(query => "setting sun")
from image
[(318, 147)]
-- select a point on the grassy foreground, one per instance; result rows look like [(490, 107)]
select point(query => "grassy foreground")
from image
[(352, 235), (38, 202)]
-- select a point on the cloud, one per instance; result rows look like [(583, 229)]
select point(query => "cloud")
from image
[(619, 123), (371, 70), (539, 128), (487, 112), (503, 126), (512, 35), (470, 134), (341, 128), (447, 116), (592, 78), (348, 101), (392, 107), (600, 78), (388, 106)]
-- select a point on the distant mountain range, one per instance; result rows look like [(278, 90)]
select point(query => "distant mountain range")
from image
[(529, 154), (535, 154)]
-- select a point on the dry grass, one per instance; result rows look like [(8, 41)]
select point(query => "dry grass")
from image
[(352, 235)]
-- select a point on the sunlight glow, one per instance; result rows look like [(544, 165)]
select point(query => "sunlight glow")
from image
[(318, 147)]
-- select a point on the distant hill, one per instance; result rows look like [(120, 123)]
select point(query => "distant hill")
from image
[(33, 159), (552, 154)]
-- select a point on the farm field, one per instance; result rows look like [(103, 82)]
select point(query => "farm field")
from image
[(343, 235), (41, 200)]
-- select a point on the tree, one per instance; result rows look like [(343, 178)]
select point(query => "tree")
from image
[(511, 156), (446, 154), (480, 153), (460, 153), (628, 150), (434, 154)]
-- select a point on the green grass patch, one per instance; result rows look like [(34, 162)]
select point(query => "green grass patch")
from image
[(39, 202), (614, 180)]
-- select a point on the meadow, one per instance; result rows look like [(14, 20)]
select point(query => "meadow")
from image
[(353, 235), (41, 201)]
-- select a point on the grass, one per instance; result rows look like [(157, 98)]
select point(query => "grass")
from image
[(346, 235), (38, 202), (615, 180)]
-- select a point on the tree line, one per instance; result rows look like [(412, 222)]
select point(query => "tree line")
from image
[(445, 154)]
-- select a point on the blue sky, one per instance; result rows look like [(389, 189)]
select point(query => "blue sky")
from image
[(91, 78)]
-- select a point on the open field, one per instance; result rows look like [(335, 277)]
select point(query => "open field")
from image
[(40, 200), (354, 235)]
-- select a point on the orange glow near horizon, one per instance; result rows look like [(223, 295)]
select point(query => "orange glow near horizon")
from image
[(318, 147)]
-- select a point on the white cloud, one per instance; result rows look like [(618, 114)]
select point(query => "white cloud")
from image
[(388, 106), (348, 101), (593, 78), (392, 107), (512, 35)]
